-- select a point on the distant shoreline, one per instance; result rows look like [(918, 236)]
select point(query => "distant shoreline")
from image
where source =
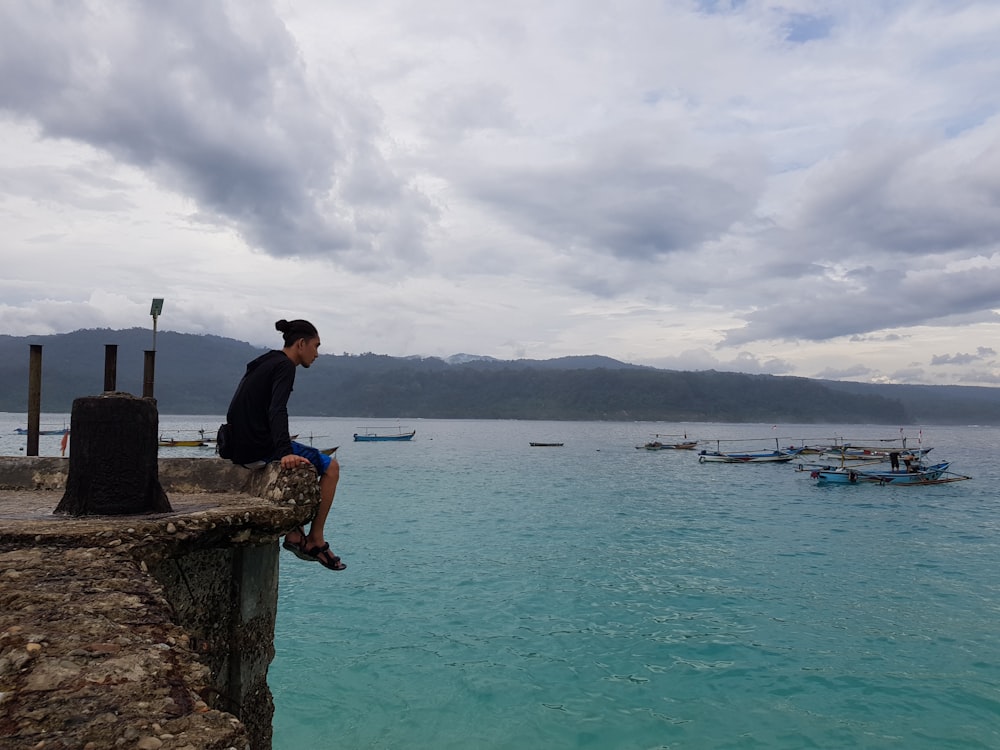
[(195, 376)]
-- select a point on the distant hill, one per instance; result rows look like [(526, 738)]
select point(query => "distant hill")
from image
[(933, 404), (194, 374), (197, 374)]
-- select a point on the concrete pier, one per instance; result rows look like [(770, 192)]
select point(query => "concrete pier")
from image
[(145, 631)]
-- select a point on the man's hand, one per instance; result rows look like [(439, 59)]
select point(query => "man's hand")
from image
[(291, 461)]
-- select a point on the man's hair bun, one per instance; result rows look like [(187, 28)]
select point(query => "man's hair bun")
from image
[(295, 330)]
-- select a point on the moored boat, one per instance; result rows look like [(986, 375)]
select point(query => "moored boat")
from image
[(169, 443), (203, 440), (658, 445), (859, 453), (893, 449), (755, 457), (914, 474), (546, 445), (369, 436), (777, 456)]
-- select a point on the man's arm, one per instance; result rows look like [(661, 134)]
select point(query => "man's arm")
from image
[(277, 413)]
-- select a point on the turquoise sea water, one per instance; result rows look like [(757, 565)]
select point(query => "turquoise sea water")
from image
[(598, 596)]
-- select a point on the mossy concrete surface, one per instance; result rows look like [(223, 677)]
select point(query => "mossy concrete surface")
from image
[(145, 631)]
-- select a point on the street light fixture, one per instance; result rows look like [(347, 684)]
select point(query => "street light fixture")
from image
[(155, 309)]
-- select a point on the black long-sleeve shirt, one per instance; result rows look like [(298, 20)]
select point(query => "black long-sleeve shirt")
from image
[(258, 412)]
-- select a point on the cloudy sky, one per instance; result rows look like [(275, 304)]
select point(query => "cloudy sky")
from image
[(801, 187)]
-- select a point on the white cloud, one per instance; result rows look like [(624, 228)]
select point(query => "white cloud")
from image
[(787, 188)]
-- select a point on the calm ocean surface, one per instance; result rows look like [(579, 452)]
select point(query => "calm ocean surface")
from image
[(599, 596)]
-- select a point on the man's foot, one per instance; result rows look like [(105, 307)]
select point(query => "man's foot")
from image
[(297, 545), (325, 557)]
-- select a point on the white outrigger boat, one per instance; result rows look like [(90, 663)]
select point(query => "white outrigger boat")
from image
[(756, 457), (873, 450), (777, 456)]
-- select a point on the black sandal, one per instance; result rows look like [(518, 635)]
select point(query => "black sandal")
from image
[(298, 549), (333, 563)]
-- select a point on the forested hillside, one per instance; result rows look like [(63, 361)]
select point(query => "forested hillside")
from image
[(197, 375)]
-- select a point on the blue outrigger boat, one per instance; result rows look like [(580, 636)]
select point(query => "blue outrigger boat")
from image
[(374, 437), (916, 474)]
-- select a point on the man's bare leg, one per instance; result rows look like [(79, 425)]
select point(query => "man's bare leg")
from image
[(314, 542), (327, 489)]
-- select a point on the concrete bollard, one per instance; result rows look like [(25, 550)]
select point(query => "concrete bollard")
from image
[(113, 466)]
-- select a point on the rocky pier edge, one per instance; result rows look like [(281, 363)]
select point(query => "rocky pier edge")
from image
[(144, 631)]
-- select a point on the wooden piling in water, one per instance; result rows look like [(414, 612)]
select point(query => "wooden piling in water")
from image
[(34, 398), (110, 367), (148, 375)]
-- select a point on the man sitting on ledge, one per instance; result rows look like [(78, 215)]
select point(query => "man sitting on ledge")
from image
[(257, 426)]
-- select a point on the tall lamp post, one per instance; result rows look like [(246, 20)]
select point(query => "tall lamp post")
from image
[(150, 361)]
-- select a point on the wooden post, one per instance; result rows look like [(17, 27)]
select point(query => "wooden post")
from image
[(110, 367), (113, 466), (34, 398), (148, 374)]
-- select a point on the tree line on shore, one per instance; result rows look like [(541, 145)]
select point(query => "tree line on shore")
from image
[(196, 374)]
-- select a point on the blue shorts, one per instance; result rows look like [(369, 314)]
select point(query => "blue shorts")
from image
[(316, 457)]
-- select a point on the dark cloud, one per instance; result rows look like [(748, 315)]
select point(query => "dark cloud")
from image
[(878, 337), (888, 193), (979, 377), (982, 353), (212, 100), (869, 300), (622, 201)]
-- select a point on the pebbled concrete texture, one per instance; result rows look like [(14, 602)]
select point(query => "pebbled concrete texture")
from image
[(149, 631)]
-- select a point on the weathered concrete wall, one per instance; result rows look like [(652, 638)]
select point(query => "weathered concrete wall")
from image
[(226, 600), (169, 622)]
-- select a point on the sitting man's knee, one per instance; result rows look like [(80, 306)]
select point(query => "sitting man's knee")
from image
[(333, 470)]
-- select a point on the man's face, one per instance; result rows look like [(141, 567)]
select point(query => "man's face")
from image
[(308, 351)]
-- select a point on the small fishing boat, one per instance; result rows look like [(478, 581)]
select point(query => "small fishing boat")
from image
[(874, 449), (369, 436), (658, 445), (859, 453), (915, 474), (169, 443), (24, 431), (756, 457), (546, 445), (777, 456), (203, 440)]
